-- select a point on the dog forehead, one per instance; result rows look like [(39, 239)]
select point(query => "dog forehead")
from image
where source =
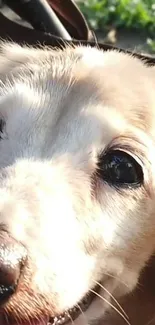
[(69, 118), (72, 100), (50, 123)]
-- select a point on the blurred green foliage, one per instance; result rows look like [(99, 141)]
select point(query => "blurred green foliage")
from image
[(139, 14)]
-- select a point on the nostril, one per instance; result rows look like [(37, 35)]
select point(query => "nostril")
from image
[(9, 275), (12, 258), (6, 292)]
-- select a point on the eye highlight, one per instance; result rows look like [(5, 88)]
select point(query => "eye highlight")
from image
[(120, 169)]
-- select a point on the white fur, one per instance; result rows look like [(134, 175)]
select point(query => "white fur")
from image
[(62, 108)]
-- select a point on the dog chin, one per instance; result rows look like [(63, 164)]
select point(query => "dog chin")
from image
[(92, 307), (95, 302)]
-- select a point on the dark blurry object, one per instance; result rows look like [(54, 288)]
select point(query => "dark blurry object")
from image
[(40, 15), (54, 23), (60, 18)]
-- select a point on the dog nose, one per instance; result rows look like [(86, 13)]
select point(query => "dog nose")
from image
[(12, 259)]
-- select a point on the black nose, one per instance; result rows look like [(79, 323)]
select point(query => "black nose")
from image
[(12, 259)]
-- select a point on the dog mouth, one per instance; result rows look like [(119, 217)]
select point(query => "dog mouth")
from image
[(73, 313), (67, 316)]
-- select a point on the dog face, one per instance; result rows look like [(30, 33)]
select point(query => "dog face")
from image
[(76, 175)]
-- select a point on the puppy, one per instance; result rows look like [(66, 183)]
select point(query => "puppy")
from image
[(77, 196)]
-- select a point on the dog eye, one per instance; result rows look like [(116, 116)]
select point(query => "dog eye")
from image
[(120, 169)]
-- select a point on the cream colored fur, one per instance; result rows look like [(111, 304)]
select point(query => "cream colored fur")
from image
[(61, 109)]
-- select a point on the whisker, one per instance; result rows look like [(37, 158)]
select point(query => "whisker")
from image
[(110, 294), (116, 278), (111, 305), (83, 314), (72, 321)]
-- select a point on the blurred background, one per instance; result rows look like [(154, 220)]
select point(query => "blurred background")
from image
[(125, 23)]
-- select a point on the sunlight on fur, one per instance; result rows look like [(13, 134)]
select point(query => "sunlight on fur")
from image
[(76, 179)]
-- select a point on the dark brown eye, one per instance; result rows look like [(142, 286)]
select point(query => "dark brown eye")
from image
[(120, 169)]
